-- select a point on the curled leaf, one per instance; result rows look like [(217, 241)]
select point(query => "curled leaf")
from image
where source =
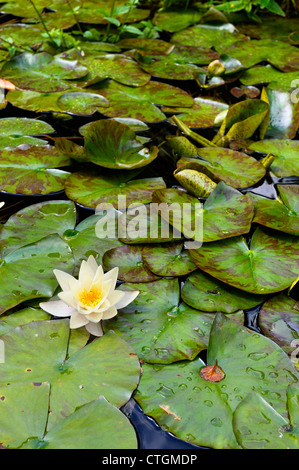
[(212, 373)]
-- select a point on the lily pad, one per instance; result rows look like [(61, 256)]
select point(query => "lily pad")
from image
[(15, 131), (266, 74), (141, 102), (175, 19), (286, 155), (158, 328), (112, 144), (257, 425), (279, 320), (236, 169), (41, 72), (281, 213), (168, 259), (37, 260), (269, 265), (205, 35), (129, 260), (111, 358), (90, 190), (203, 292), (46, 217), (202, 114), (284, 115), (79, 431), (164, 389), (32, 171), (225, 213), (12, 319)]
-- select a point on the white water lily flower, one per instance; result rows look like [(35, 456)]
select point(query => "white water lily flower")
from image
[(90, 298)]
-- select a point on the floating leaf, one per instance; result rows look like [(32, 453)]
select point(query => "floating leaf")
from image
[(212, 373), (130, 263), (279, 320), (12, 319), (281, 213), (204, 35), (28, 271), (91, 190), (284, 115), (15, 131), (263, 74), (257, 424), (72, 384), (140, 102), (32, 171), (206, 293), (175, 19), (46, 217), (168, 259), (41, 72), (112, 144), (270, 265), (286, 155)]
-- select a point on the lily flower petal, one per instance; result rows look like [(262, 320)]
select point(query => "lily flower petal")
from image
[(77, 320), (57, 308), (127, 299), (66, 281), (94, 329)]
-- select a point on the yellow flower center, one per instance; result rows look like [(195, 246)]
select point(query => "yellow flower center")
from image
[(91, 297)]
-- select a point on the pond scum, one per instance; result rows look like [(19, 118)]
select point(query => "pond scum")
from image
[(156, 142)]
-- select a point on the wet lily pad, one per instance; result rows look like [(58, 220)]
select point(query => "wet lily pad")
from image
[(148, 45), (12, 319), (37, 260), (286, 153), (90, 190), (269, 265), (266, 74), (284, 115), (15, 131), (202, 114), (141, 102), (203, 292), (281, 213), (32, 171), (164, 389), (204, 35), (168, 259), (279, 321), (272, 431), (175, 19), (225, 213), (112, 144), (129, 260), (41, 72), (158, 328)]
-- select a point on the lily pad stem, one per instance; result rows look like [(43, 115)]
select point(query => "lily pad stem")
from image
[(198, 138), (268, 160)]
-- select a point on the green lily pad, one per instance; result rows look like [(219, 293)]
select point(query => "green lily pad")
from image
[(286, 155), (175, 19), (278, 53), (129, 260), (241, 121), (148, 45), (28, 271), (24, 412), (158, 328), (266, 74), (260, 363), (168, 259), (90, 190), (41, 72), (79, 102), (141, 102), (21, 35), (202, 114), (32, 171), (147, 227), (46, 217), (12, 319), (257, 425), (279, 320), (203, 292), (236, 169), (15, 131), (281, 213), (225, 213), (113, 372), (112, 144), (80, 431), (268, 266), (205, 35)]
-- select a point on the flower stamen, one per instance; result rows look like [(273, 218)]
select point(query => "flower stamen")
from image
[(91, 297)]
